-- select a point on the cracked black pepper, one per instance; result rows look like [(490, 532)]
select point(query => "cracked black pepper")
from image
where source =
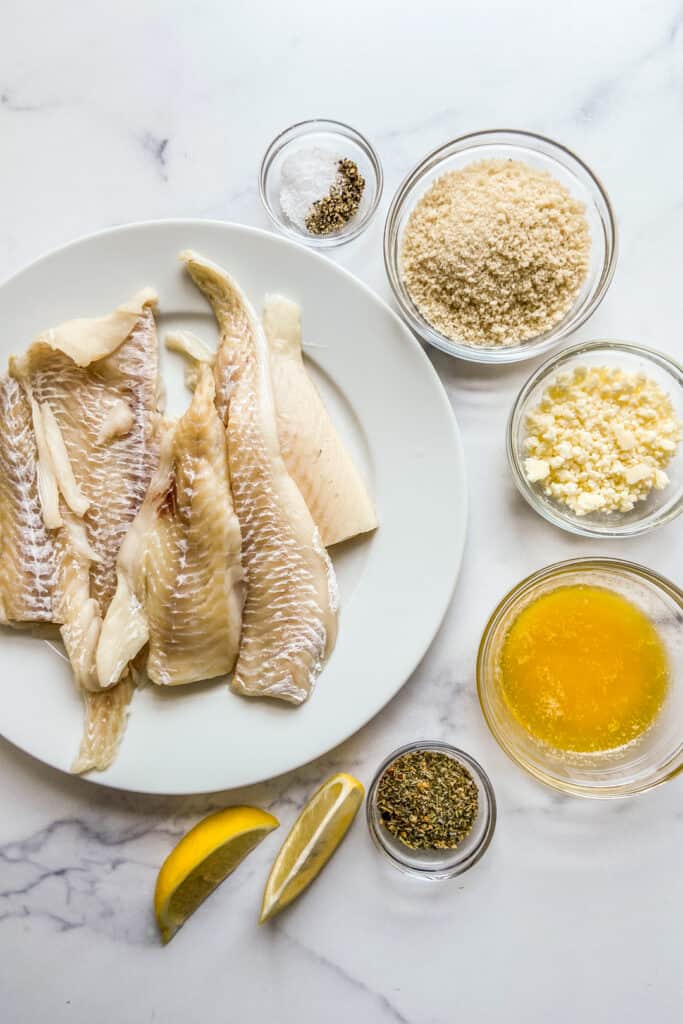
[(335, 210)]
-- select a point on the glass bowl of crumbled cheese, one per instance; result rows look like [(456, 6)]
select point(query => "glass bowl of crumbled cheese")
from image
[(498, 245), (595, 439), (321, 182)]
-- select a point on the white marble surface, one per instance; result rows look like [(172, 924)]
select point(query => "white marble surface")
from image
[(135, 110)]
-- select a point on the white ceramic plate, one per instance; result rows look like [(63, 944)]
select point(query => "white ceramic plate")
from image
[(395, 585)]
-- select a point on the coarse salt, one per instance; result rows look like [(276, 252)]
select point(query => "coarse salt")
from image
[(306, 177)]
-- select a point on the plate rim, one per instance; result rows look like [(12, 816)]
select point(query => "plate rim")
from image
[(462, 508)]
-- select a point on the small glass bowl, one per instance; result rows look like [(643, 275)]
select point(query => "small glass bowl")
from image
[(332, 135), (649, 760), (660, 506), (435, 864), (538, 152)]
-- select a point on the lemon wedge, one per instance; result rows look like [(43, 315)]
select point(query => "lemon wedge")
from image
[(203, 859), (314, 837)]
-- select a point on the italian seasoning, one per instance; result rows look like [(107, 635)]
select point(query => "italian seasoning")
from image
[(428, 800)]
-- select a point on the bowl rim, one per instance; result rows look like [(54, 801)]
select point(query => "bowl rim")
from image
[(567, 521), (489, 354), (673, 765), (459, 864), (299, 129)]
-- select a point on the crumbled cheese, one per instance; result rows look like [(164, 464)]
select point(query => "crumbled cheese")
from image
[(600, 438), (536, 469)]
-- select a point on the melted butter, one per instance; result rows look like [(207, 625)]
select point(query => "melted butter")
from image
[(583, 669)]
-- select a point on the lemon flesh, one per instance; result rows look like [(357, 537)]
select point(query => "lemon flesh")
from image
[(203, 859), (314, 837)]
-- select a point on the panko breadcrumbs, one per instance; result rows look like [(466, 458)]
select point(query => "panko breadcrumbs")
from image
[(495, 253)]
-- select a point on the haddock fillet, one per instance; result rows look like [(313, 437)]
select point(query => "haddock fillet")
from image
[(179, 571), (289, 620), (92, 385), (313, 452)]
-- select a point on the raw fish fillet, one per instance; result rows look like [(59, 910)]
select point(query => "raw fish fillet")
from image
[(93, 391), (179, 572), (289, 621), (28, 553), (314, 454)]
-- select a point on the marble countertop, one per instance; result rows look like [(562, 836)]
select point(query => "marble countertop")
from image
[(133, 111)]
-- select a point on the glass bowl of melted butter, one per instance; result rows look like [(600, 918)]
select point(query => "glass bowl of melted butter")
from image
[(580, 677)]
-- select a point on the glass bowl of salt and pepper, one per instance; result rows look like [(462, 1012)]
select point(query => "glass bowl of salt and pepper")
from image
[(321, 182)]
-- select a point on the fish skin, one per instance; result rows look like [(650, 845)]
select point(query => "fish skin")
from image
[(112, 475), (29, 558), (313, 452), (179, 571), (289, 621)]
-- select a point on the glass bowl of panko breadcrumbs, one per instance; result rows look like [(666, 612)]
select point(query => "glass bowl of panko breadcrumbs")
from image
[(498, 245)]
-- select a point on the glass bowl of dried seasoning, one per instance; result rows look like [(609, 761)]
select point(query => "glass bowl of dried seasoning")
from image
[(321, 182), (431, 810)]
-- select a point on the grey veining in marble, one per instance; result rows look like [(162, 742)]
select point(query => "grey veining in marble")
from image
[(140, 110)]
